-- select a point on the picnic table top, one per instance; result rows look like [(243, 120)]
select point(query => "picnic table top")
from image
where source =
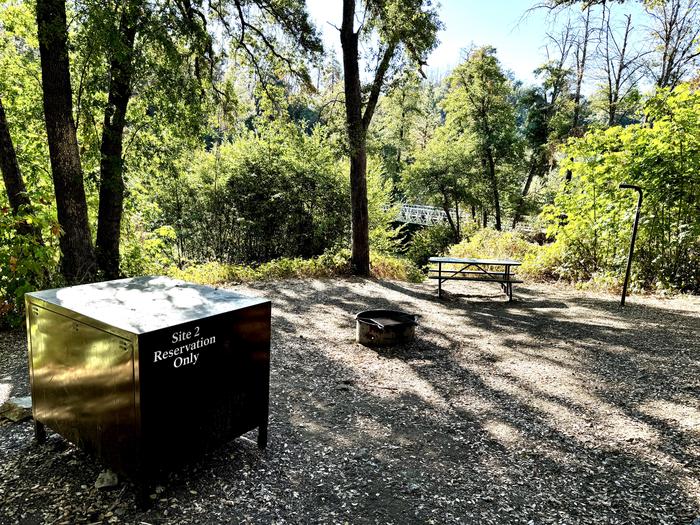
[(485, 262)]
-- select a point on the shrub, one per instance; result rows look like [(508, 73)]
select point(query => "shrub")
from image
[(539, 262), (489, 243), (543, 262), (592, 218), (277, 193), (383, 236), (429, 242), (147, 253), (389, 267), (26, 264), (330, 264)]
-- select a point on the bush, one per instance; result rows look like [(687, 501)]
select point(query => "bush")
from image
[(147, 253), (489, 243), (277, 193), (592, 218), (330, 264), (539, 262), (543, 263), (429, 242), (389, 267), (383, 236), (26, 264)]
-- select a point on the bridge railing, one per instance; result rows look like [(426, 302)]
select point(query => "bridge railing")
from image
[(424, 215)]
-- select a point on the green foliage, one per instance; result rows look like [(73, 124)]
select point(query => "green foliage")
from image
[(271, 194), (429, 242), (555, 106), (629, 109), (148, 252), (329, 264), (395, 268), (412, 23), (383, 237), (489, 243), (22, 96), (479, 105), (25, 263), (538, 262), (397, 117), (663, 157), (542, 263), (441, 174)]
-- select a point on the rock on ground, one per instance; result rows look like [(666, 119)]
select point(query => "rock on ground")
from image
[(17, 409)]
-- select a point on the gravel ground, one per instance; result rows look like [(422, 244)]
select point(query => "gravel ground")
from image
[(556, 408)]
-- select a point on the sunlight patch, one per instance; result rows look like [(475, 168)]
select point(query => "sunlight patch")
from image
[(503, 432), (684, 416), (5, 389)]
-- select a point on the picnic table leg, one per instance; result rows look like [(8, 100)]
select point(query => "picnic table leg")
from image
[(509, 285), (439, 280)]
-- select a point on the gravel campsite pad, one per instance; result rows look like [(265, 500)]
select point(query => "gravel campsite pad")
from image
[(556, 408)]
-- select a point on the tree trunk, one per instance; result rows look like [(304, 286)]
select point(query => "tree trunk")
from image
[(535, 167), (580, 71), (78, 255), (494, 187), (521, 200), (111, 162), (459, 226), (622, 65), (357, 142), (357, 123), (450, 220), (12, 178)]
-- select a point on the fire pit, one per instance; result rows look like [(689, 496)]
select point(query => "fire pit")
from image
[(385, 327)]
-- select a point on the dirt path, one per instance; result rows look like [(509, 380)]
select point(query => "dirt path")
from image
[(556, 408)]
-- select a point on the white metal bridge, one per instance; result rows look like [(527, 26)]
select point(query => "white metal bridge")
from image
[(424, 215)]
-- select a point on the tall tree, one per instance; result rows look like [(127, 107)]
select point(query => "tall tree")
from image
[(479, 104), (399, 25), (78, 262), (621, 66), (12, 177), (547, 119), (580, 53), (429, 115), (536, 130), (111, 161), (396, 116), (676, 30), (441, 176)]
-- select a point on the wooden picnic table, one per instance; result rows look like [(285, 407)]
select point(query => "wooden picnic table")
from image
[(484, 270)]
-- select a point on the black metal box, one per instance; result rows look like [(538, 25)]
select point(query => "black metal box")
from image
[(149, 372)]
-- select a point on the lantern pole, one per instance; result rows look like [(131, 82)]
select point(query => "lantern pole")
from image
[(625, 186)]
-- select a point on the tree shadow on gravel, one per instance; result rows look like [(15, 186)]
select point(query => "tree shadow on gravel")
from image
[(619, 476), (627, 365), (498, 413)]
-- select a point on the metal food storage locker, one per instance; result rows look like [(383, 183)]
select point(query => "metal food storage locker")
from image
[(149, 372)]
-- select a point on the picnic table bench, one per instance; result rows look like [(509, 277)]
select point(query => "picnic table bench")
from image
[(484, 270)]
